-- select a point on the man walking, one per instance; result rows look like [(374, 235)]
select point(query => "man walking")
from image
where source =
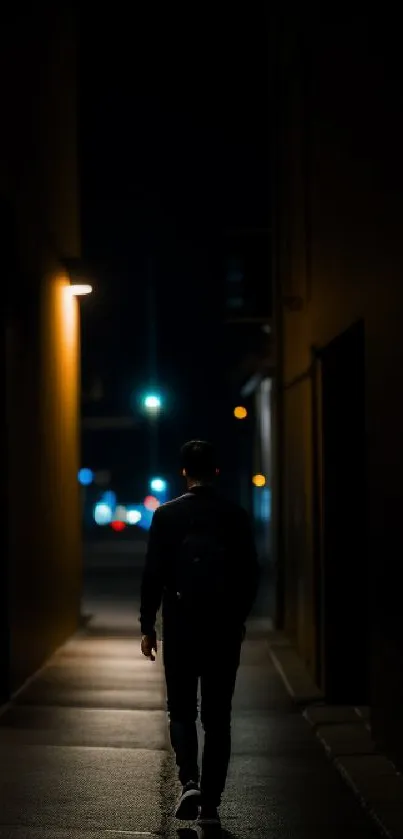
[(201, 563)]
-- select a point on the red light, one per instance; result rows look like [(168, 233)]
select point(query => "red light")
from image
[(118, 525), (151, 503)]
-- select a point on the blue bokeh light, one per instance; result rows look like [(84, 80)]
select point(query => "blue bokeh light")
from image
[(146, 518), (102, 513), (85, 477)]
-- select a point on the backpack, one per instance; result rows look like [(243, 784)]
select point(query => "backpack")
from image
[(203, 564)]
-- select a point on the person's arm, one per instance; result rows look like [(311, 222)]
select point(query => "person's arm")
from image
[(152, 583)]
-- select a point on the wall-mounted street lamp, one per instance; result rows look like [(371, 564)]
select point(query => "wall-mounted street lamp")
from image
[(80, 289), (78, 275)]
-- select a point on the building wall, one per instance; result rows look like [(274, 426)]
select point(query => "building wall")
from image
[(38, 187), (339, 232)]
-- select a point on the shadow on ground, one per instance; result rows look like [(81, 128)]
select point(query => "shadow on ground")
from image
[(205, 833)]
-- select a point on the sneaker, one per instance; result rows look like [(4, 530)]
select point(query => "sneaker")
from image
[(209, 815), (188, 805)]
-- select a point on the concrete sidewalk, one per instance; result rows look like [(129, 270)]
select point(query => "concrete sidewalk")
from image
[(345, 734), (85, 751)]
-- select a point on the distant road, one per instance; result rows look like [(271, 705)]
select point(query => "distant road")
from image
[(114, 568), (114, 554)]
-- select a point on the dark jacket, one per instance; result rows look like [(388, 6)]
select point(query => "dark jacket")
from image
[(168, 528)]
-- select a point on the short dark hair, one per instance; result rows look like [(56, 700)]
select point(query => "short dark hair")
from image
[(199, 459)]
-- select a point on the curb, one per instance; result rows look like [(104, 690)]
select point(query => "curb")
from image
[(345, 736), (361, 798)]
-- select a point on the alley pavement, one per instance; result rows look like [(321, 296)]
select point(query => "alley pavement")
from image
[(85, 752)]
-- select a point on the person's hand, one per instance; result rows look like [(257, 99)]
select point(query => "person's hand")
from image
[(148, 644)]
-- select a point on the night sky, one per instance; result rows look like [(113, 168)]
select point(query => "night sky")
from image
[(174, 145)]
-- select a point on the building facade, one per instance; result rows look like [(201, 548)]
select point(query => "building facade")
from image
[(337, 233), (40, 585)]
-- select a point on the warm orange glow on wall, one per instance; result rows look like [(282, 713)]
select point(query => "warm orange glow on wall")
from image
[(259, 480), (240, 412), (61, 389), (67, 321)]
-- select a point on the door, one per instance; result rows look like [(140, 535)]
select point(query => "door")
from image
[(345, 573)]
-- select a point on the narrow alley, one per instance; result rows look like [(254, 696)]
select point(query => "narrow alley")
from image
[(84, 745)]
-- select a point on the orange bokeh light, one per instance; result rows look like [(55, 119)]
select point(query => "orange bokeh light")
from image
[(240, 412)]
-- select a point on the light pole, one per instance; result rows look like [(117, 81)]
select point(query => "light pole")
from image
[(152, 405), (152, 401)]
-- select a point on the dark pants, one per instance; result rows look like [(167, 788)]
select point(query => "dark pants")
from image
[(186, 662)]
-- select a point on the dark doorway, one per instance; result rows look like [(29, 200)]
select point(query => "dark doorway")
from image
[(4, 583), (345, 559)]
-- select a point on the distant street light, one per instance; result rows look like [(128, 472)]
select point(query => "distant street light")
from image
[(158, 485), (259, 480), (152, 403), (240, 412)]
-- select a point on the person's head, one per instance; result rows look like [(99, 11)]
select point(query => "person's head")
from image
[(198, 461)]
